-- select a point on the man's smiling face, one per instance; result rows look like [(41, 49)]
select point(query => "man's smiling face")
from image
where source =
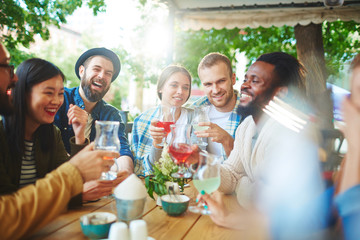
[(257, 90), (96, 75), (218, 85)]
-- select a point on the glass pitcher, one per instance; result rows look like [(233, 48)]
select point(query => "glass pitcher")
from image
[(107, 139), (180, 148)]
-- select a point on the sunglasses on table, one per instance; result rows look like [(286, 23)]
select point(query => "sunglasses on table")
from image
[(11, 67)]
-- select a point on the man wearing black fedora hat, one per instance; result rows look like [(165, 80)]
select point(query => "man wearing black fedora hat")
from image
[(96, 68)]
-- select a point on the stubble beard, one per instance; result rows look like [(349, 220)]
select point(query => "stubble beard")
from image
[(254, 108), (89, 94), (227, 101)]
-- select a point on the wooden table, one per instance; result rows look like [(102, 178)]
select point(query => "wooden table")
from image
[(160, 225)]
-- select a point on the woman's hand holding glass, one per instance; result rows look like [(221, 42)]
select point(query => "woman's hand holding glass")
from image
[(157, 133), (206, 178), (166, 118)]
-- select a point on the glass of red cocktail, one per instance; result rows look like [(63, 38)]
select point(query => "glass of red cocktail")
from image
[(180, 148), (166, 119)]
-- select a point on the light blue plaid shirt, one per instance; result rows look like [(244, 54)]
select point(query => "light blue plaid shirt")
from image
[(234, 119), (141, 144), (142, 141)]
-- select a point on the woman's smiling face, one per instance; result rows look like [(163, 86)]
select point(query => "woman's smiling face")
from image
[(44, 100), (176, 90)]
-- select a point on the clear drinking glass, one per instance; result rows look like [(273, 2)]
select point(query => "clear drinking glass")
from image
[(180, 148), (206, 178), (107, 139), (166, 119), (200, 115)]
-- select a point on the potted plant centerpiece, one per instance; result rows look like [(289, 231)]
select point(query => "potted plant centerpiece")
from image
[(162, 170)]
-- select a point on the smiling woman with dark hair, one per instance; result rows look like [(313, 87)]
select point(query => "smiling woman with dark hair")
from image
[(31, 144)]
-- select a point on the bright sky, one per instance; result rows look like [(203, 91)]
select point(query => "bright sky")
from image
[(116, 26)]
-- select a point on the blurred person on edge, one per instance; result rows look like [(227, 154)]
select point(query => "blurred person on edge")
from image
[(97, 68), (348, 187), (31, 207)]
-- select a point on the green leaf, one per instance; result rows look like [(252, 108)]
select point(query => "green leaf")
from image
[(147, 181), (26, 19)]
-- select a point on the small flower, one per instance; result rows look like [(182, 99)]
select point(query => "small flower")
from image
[(162, 174), (165, 163)]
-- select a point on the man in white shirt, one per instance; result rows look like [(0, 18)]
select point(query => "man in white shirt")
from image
[(218, 79)]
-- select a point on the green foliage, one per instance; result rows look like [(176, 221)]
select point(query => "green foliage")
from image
[(156, 183), (53, 51), (162, 171), (20, 21), (18, 56), (191, 46), (341, 42)]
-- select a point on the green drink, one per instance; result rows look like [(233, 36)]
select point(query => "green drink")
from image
[(200, 128), (209, 185)]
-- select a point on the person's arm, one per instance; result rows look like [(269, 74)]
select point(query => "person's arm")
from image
[(61, 156), (232, 169), (217, 134), (78, 118), (348, 191), (349, 211), (124, 144), (146, 154), (33, 206), (125, 164), (156, 133), (154, 154), (234, 218), (350, 172)]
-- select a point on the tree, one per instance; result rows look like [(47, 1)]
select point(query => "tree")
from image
[(340, 43), (20, 21), (139, 65)]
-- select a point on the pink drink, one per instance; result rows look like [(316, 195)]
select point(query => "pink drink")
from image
[(181, 152), (165, 125)]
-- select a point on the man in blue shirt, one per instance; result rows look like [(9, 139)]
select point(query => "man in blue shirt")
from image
[(97, 68)]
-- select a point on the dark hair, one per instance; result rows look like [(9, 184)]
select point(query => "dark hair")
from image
[(213, 58), (167, 73), (288, 71), (355, 62), (30, 72)]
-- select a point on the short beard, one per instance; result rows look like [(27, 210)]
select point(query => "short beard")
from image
[(6, 107), (254, 108), (91, 96)]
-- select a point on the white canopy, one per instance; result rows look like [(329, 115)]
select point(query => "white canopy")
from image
[(206, 14)]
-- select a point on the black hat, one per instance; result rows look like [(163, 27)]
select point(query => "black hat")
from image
[(102, 52)]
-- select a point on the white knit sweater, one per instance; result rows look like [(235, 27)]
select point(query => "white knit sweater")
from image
[(239, 171)]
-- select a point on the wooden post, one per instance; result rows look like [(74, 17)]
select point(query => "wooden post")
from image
[(310, 51)]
